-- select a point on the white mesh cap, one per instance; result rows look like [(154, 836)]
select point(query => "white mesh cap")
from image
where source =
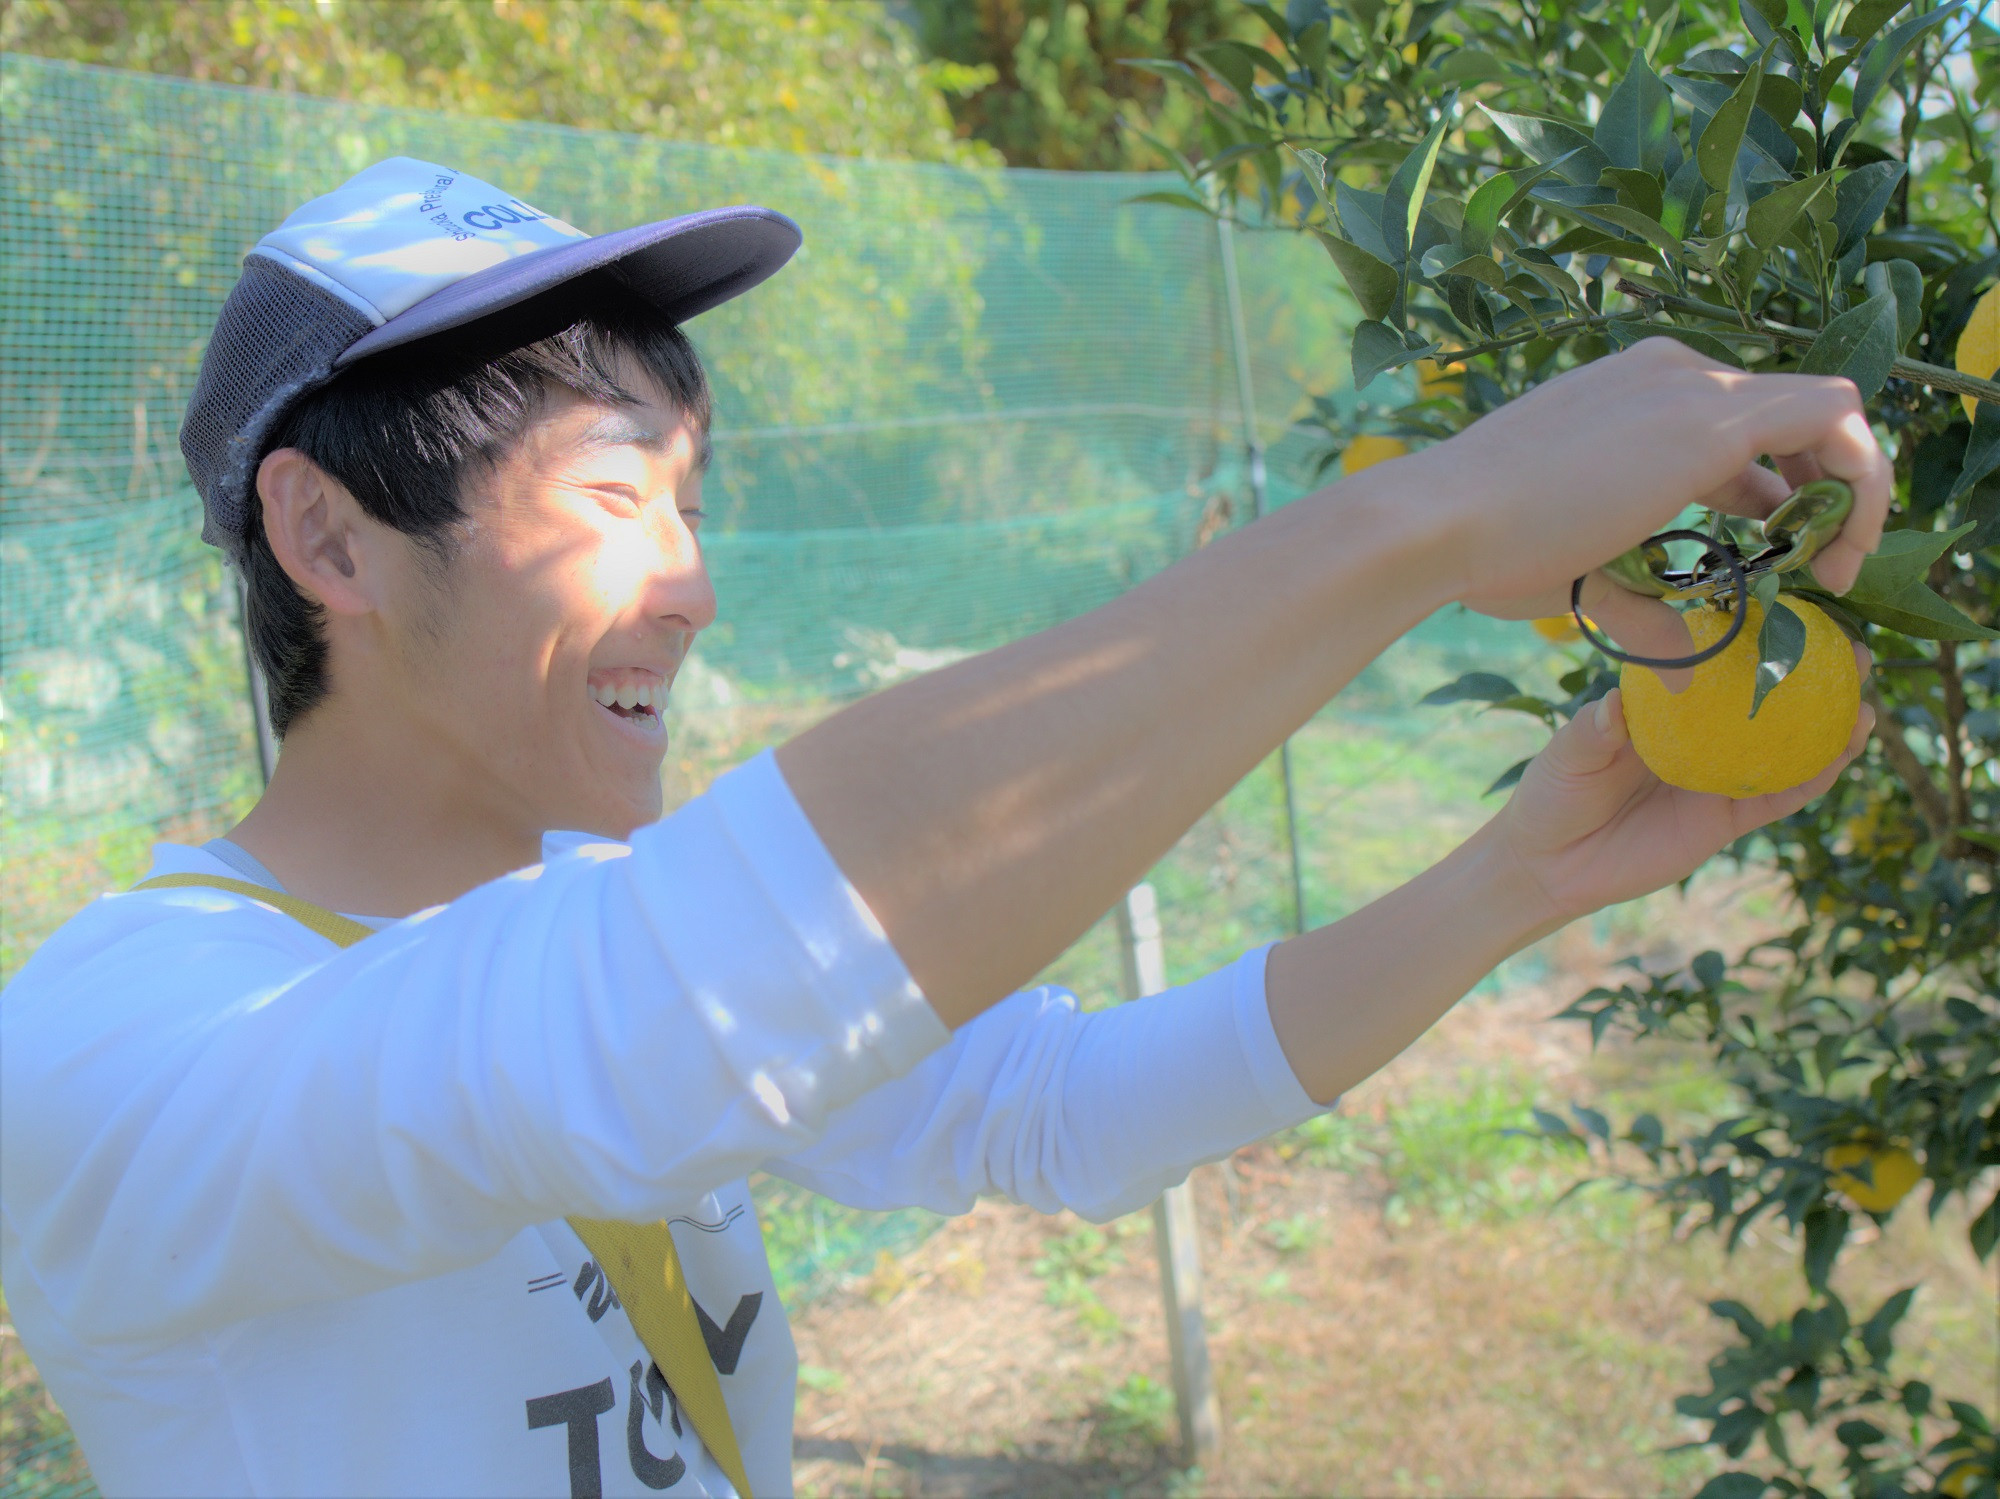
[(405, 250)]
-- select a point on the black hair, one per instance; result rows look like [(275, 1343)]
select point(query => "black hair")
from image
[(404, 430)]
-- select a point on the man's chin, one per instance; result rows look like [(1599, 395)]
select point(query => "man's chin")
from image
[(618, 819)]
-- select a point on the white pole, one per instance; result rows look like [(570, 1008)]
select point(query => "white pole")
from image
[(1246, 397), (260, 697), (1174, 1234)]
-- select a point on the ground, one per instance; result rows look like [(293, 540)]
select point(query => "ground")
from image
[(1395, 1305)]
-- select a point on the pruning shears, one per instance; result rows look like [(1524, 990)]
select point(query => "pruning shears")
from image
[(1794, 533)]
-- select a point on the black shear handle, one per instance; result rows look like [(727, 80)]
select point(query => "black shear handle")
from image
[(1738, 615)]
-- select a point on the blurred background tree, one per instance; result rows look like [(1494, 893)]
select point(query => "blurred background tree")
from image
[(1058, 92), (794, 75), (1511, 190)]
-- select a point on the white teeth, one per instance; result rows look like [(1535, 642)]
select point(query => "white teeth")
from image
[(628, 696), (646, 696), (605, 696)]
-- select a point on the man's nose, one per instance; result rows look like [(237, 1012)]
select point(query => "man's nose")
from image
[(678, 588)]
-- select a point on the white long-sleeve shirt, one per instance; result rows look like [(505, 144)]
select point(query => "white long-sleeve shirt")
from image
[(279, 1218)]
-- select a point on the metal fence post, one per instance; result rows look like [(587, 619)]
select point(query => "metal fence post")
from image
[(1246, 397), (1174, 1237), (260, 698)]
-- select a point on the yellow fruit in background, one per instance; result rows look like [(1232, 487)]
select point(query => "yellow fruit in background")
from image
[(1367, 451), (1434, 379), (1968, 1469), (1557, 629), (1893, 1169), (1979, 344), (1704, 739)]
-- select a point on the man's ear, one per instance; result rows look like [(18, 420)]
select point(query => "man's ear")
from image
[(318, 532)]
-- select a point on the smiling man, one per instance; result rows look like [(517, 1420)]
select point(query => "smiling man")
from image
[(395, 1144)]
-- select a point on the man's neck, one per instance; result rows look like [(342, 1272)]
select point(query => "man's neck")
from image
[(357, 819)]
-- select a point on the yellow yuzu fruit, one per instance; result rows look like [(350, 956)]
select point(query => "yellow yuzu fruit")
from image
[(1557, 629), (1434, 379), (1704, 739), (1368, 450), (1979, 344), (1893, 1171)]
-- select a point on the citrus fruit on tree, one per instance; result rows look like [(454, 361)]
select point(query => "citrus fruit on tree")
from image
[(1557, 629), (1368, 450), (1892, 1171), (1979, 344), (1705, 739)]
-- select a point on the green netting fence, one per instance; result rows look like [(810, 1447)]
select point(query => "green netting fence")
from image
[(976, 404)]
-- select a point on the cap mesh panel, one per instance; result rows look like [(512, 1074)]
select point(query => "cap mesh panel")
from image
[(276, 338)]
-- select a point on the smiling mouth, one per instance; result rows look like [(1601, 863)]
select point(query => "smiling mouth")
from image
[(640, 705)]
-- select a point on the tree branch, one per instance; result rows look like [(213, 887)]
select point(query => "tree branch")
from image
[(1924, 795), (1915, 370)]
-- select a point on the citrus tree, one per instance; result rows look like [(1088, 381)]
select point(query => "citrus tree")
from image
[(1513, 189)]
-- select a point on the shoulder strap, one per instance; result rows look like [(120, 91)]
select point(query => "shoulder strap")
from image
[(638, 1259), (336, 928)]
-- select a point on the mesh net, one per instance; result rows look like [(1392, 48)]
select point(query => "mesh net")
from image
[(976, 404)]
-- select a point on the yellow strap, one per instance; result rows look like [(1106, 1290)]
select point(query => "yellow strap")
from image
[(639, 1259), (644, 1268), (336, 928)]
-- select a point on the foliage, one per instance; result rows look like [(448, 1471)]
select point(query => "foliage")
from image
[(795, 75), (1511, 190), (1057, 90)]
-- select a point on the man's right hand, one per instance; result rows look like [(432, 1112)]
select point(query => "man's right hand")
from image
[(1556, 483)]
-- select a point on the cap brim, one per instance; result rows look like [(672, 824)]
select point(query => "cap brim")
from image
[(681, 266)]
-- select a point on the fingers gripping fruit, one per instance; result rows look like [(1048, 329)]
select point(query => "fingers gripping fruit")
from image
[(1705, 739), (1892, 1172)]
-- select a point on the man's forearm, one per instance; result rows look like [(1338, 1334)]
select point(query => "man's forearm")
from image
[(1348, 997), (989, 812)]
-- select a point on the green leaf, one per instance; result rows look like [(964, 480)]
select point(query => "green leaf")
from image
[(1903, 281), (1497, 197), (1982, 448), (1859, 345), (1773, 11), (1481, 268), (1857, 1434), (1733, 1485), (1649, 229), (1377, 348), (1360, 214), (1405, 198), (1694, 338), (1176, 200), (1637, 121), (1879, 1331), (1869, 17), (1508, 777), (1826, 1231), (1552, 142), (1860, 199), (1474, 687), (1886, 54), (1724, 136), (1680, 210), (1900, 559), (1920, 614), (1636, 189), (1775, 212), (1374, 284), (1780, 644)]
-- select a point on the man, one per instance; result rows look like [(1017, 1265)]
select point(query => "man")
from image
[(288, 1212)]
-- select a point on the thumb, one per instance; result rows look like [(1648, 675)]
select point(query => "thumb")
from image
[(1642, 626), (1589, 742)]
